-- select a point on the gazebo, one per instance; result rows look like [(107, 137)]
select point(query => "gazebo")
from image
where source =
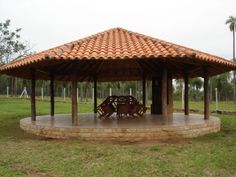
[(120, 55)]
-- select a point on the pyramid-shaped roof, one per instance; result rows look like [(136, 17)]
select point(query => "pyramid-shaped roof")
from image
[(120, 44)]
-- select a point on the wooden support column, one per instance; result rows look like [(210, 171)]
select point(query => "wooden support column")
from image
[(33, 105), (52, 101), (95, 95), (74, 100), (186, 93), (164, 92), (156, 107), (144, 90), (206, 95), (169, 94)]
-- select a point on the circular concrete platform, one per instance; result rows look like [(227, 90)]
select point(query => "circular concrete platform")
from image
[(151, 127)]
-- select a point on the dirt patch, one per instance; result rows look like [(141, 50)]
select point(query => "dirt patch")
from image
[(37, 174), (28, 136), (145, 142), (29, 171), (230, 132)]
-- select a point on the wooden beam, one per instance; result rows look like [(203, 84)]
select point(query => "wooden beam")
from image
[(206, 95), (33, 105), (74, 105), (94, 67), (95, 94), (140, 66), (90, 72), (144, 90), (87, 65), (164, 92), (158, 65), (52, 101), (147, 67), (186, 93)]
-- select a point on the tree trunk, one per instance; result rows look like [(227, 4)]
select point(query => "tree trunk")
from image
[(24, 83), (206, 95), (234, 73), (211, 90), (86, 91), (14, 87), (81, 92), (68, 89)]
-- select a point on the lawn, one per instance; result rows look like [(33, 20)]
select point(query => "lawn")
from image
[(23, 154)]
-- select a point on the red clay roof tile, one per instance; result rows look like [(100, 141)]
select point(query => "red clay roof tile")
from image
[(118, 43)]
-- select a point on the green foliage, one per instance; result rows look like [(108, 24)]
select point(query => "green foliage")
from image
[(223, 82), (179, 84), (11, 48), (231, 21), (224, 86), (195, 89), (10, 45)]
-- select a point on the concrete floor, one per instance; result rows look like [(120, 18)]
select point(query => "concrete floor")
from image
[(90, 120)]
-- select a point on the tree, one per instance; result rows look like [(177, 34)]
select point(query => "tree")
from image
[(231, 21), (223, 85), (11, 47), (196, 84), (179, 84)]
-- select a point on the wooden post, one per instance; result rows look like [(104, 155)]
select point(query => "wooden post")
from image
[(216, 92), (42, 93), (164, 92), (156, 107), (74, 100), (144, 90), (64, 94), (186, 94), (33, 105), (182, 97), (169, 94), (52, 101), (7, 91), (206, 95), (110, 92), (95, 95)]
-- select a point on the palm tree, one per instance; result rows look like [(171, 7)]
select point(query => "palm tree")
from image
[(232, 26), (196, 83)]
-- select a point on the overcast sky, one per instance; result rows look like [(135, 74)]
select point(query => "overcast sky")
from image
[(199, 24)]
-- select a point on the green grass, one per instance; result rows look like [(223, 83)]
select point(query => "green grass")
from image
[(23, 154), (223, 106)]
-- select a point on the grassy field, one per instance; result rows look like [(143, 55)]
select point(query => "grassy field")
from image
[(223, 106), (23, 154)]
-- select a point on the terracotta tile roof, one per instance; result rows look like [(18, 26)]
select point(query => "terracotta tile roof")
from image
[(118, 43)]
